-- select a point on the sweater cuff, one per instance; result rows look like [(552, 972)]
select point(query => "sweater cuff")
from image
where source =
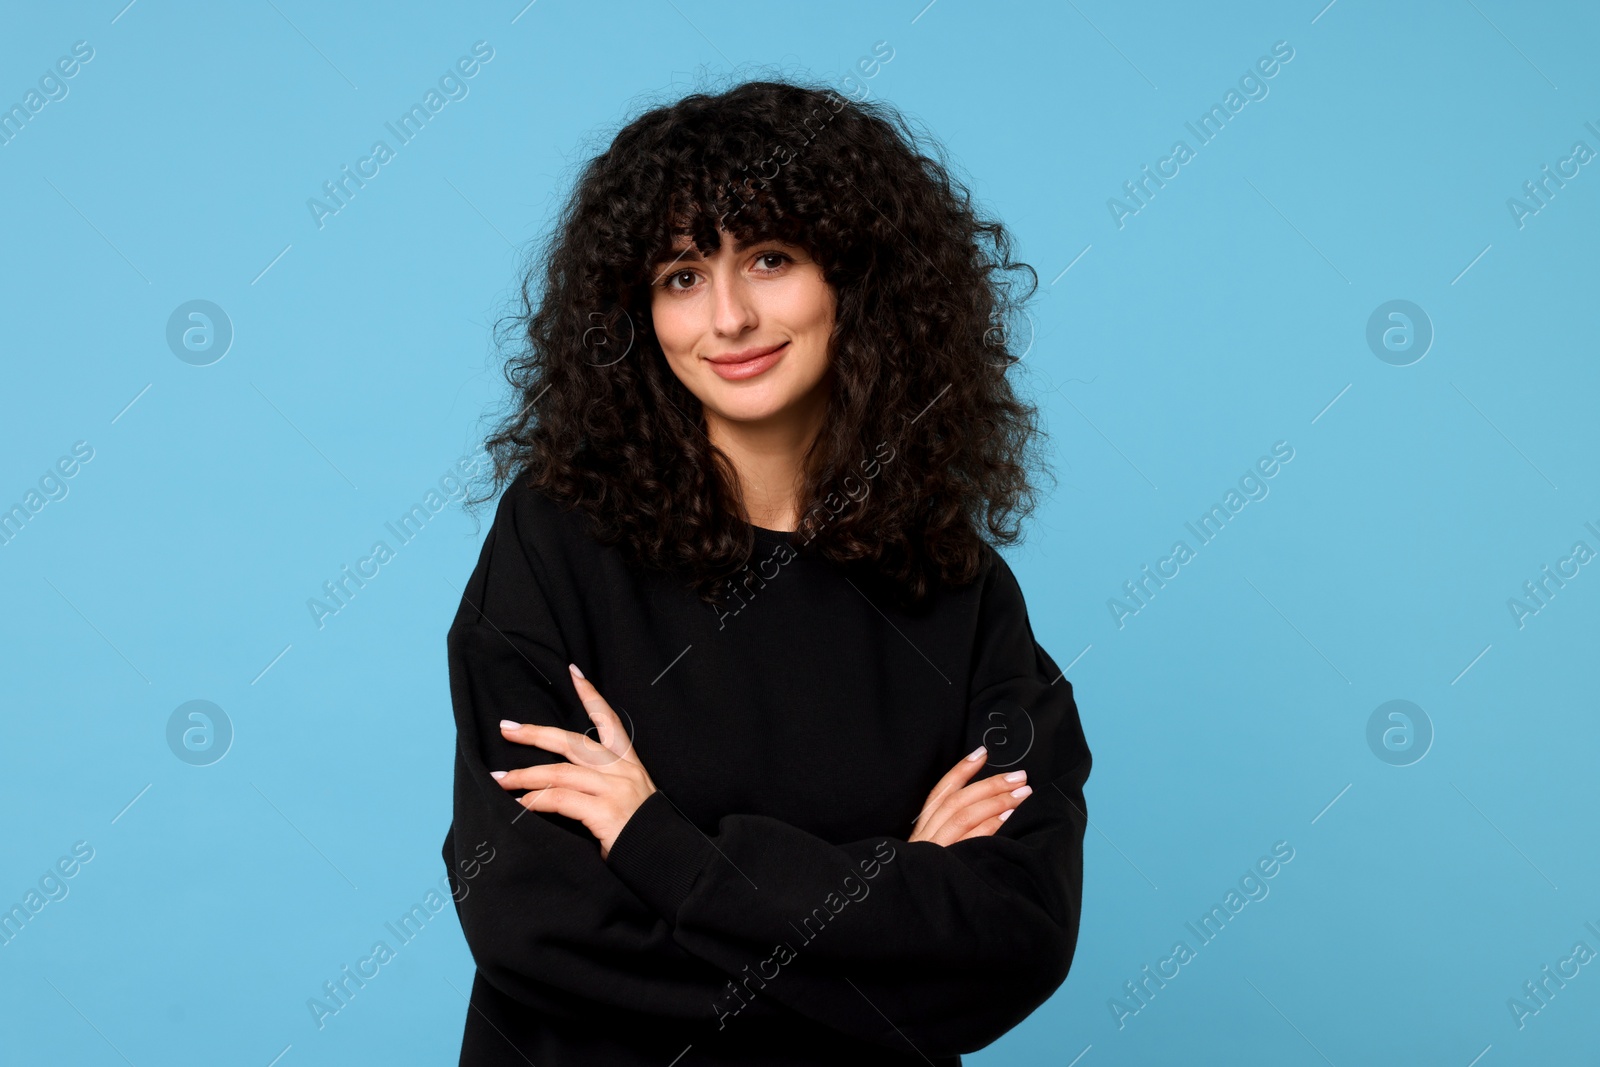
[(659, 854)]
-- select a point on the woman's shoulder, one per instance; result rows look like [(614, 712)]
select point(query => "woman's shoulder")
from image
[(999, 589), (537, 519)]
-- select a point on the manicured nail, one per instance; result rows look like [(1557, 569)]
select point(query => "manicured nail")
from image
[(1004, 815), (1014, 776), (507, 724), (497, 775), (975, 753), (576, 673), (1022, 792)]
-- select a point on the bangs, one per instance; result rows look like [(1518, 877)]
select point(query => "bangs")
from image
[(750, 201)]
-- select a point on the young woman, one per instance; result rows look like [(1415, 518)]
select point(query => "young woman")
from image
[(750, 712)]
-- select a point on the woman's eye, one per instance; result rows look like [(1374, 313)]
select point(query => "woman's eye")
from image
[(768, 262)]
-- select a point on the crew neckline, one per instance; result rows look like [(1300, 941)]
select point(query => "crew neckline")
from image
[(785, 534)]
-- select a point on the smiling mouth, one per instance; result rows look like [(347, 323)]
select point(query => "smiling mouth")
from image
[(752, 367), (753, 354)]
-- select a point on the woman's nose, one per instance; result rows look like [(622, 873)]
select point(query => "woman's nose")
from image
[(732, 312)]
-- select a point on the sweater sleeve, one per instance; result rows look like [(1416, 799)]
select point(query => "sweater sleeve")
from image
[(548, 923), (914, 946)]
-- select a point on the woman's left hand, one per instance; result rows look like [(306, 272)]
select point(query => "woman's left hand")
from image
[(603, 783)]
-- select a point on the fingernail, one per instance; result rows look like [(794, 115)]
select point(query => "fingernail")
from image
[(576, 673), (1004, 815), (1014, 776), (507, 724), (497, 775), (1022, 792), (975, 753)]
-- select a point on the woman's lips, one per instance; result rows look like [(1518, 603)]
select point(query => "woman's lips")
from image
[(750, 367)]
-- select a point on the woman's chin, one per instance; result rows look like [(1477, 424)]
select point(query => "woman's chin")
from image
[(750, 408)]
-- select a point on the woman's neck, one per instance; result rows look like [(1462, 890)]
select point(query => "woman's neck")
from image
[(769, 458)]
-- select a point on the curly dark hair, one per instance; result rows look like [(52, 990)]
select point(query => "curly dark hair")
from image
[(924, 444)]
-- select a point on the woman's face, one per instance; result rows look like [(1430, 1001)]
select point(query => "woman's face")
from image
[(746, 301)]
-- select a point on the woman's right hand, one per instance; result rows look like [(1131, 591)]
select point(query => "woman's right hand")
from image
[(955, 811)]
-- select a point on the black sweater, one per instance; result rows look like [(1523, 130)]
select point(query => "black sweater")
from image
[(764, 905)]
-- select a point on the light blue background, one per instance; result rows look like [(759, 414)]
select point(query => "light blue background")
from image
[(1225, 316)]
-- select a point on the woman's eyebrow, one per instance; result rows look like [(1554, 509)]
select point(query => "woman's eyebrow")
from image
[(692, 254)]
